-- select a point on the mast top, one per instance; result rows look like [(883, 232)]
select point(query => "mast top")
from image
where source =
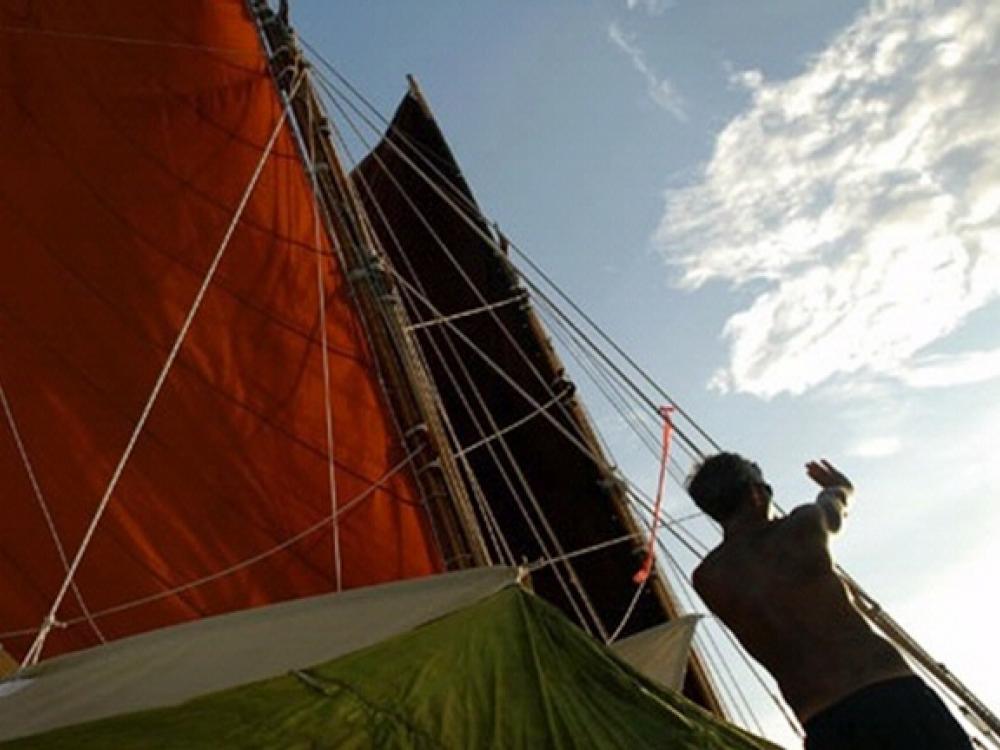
[(418, 94)]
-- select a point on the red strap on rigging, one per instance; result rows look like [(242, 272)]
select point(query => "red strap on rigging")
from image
[(668, 431)]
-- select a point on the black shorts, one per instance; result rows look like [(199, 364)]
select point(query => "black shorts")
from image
[(899, 713)]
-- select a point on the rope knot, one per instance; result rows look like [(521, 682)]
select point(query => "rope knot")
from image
[(51, 622)]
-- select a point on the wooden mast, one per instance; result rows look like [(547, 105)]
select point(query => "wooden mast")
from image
[(409, 387), (971, 707)]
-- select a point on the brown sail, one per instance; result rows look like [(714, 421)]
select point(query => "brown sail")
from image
[(529, 448)]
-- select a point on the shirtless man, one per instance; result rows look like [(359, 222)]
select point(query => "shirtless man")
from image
[(773, 583)]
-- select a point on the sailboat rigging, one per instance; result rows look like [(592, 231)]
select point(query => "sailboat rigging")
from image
[(237, 374)]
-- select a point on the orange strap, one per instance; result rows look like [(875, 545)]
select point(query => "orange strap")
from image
[(668, 431)]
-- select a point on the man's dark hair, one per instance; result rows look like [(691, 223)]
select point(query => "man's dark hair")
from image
[(719, 485)]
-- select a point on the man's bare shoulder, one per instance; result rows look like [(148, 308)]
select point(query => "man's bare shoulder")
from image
[(705, 572), (802, 542), (805, 520)]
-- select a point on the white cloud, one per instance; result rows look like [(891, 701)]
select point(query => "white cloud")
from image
[(876, 447), (652, 7), (660, 90), (862, 198), (943, 370)]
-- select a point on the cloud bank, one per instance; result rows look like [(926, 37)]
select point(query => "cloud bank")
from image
[(660, 90), (862, 199)]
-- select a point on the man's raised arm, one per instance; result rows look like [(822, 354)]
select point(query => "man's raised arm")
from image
[(836, 492)]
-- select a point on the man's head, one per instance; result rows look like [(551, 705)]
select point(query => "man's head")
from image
[(725, 484)]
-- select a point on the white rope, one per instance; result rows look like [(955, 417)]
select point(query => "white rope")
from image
[(499, 541), (35, 651), (133, 41), (472, 224), (544, 563), (472, 215), (327, 405), (520, 297), (43, 506), (493, 365), (409, 288), (450, 256), (628, 613), (470, 218), (498, 369), (499, 433), (584, 596), (238, 566), (515, 345), (494, 530)]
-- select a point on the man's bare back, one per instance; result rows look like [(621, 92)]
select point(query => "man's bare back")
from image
[(793, 614), (774, 584)]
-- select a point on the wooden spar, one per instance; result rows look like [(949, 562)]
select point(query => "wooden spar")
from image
[(974, 709), (409, 387), (700, 679)]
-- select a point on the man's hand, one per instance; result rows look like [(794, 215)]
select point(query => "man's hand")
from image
[(826, 475), (836, 492)]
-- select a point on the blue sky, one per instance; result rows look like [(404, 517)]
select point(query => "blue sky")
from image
[(789, 212)]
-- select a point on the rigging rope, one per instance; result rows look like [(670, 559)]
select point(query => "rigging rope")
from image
[(587, 451), (647, 566), (246, 562), (44, 507), (632, 391), (413, 290), (520, 297), (686, 442), (500, 543), (34, 653), (499, 433), (327, 401), (628, 612), (476, 213), (442, 246), (136, 41)]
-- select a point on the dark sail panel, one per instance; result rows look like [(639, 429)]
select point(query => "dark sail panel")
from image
[(419, 229)]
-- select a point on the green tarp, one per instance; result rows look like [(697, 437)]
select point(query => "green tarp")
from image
[(506, 672)]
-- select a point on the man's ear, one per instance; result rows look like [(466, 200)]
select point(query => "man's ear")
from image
[(756, 496)]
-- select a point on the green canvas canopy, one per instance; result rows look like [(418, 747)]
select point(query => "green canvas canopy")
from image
[(507, 671)]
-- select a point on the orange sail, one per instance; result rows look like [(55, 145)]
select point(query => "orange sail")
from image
[(131, 132)]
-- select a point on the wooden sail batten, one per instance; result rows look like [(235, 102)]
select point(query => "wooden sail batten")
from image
[(408, 387)]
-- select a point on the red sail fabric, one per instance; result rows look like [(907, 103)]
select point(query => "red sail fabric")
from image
[(129, 132)]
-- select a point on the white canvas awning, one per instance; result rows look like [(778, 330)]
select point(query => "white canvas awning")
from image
[(661, 653), (165, 667)]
